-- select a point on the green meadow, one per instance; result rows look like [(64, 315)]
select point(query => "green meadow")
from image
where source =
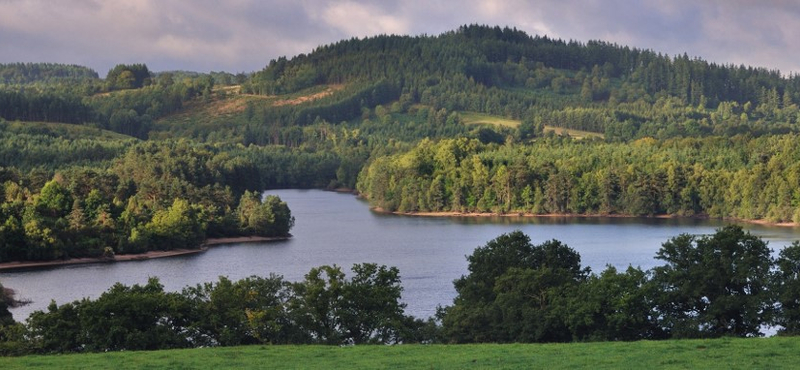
[(726, 353)]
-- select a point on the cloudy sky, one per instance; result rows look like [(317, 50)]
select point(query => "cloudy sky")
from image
[(243, 35)]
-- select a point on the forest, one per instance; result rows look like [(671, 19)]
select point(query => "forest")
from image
[(710, 177), (143, 160)]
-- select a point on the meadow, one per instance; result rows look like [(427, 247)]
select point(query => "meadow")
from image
[(725, 353)]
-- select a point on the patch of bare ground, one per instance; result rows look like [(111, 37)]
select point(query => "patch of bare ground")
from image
[(307, 98), (574, 215)]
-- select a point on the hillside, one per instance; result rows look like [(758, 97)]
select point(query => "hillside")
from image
[(621, 92)]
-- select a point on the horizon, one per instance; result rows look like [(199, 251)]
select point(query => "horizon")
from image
[(243, 36)]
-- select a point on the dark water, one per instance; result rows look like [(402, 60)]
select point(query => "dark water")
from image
[(339, 229)]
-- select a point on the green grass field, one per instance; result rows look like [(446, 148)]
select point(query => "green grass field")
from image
[(472, 118), (756, 353), (577, 134)]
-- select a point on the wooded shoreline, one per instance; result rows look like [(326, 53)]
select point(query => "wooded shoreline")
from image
[(24, 265)]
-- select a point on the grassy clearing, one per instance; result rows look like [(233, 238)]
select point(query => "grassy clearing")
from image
[(203, 112), (576, 134), (760, 353), (225, 110), (472, 118)]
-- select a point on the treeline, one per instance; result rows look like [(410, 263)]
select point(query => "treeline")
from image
[(325, 308), (455, 69), (718, 177), (725, 284), (47, 73), (128, 76), (133, 111), (146, 97), (47, 107), (26, 147), (157, 196)]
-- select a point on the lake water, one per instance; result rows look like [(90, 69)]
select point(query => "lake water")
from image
[(333, 228)]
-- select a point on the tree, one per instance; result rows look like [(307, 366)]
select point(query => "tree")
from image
[(248, 311), (57, 330), (282, 219), (125, 80), (128, 76), (176, 227), (316, 304), (613, 306), (493, 301), (54, 200), (371, 308), (528, 128), (6, 301), (271, 217), (364, 309), (122, 318), (134, 318), (714, 285), (787, 289)]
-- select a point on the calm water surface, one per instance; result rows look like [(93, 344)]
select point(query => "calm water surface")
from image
[(339, 229)]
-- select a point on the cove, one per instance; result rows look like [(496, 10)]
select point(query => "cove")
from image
[(335, 228)]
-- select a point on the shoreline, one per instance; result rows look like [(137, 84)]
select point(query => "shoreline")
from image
[(25, 265), (576, 215)]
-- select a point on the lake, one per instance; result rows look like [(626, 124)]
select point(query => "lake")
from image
[(334, 228)]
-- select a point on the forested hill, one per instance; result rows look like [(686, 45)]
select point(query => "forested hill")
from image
[(29, 73), (621, 92), (625, 93), (509, 58)]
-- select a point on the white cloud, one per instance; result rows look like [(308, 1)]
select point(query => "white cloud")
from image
[(243, 35), (355, 19)]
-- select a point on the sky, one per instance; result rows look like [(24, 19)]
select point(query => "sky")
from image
[(244, 35)]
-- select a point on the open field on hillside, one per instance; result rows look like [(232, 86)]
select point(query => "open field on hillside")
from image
[(727, 353), (227, 109), (472, 118), (577, 134)]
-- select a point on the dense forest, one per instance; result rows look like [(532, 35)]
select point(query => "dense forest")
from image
[(154, 196), (478, 119), (714, 176)]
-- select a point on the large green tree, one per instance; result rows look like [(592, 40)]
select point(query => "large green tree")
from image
[(270, 217), (512, 292), (248, 311), (331, 309), (787, 289), (714, 285)]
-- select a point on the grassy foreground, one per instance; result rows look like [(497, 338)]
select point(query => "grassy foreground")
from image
[(728, 353)]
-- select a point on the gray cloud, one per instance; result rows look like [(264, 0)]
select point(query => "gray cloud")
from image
[(243, 35)]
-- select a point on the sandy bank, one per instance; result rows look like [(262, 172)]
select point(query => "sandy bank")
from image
[(576, 215)]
